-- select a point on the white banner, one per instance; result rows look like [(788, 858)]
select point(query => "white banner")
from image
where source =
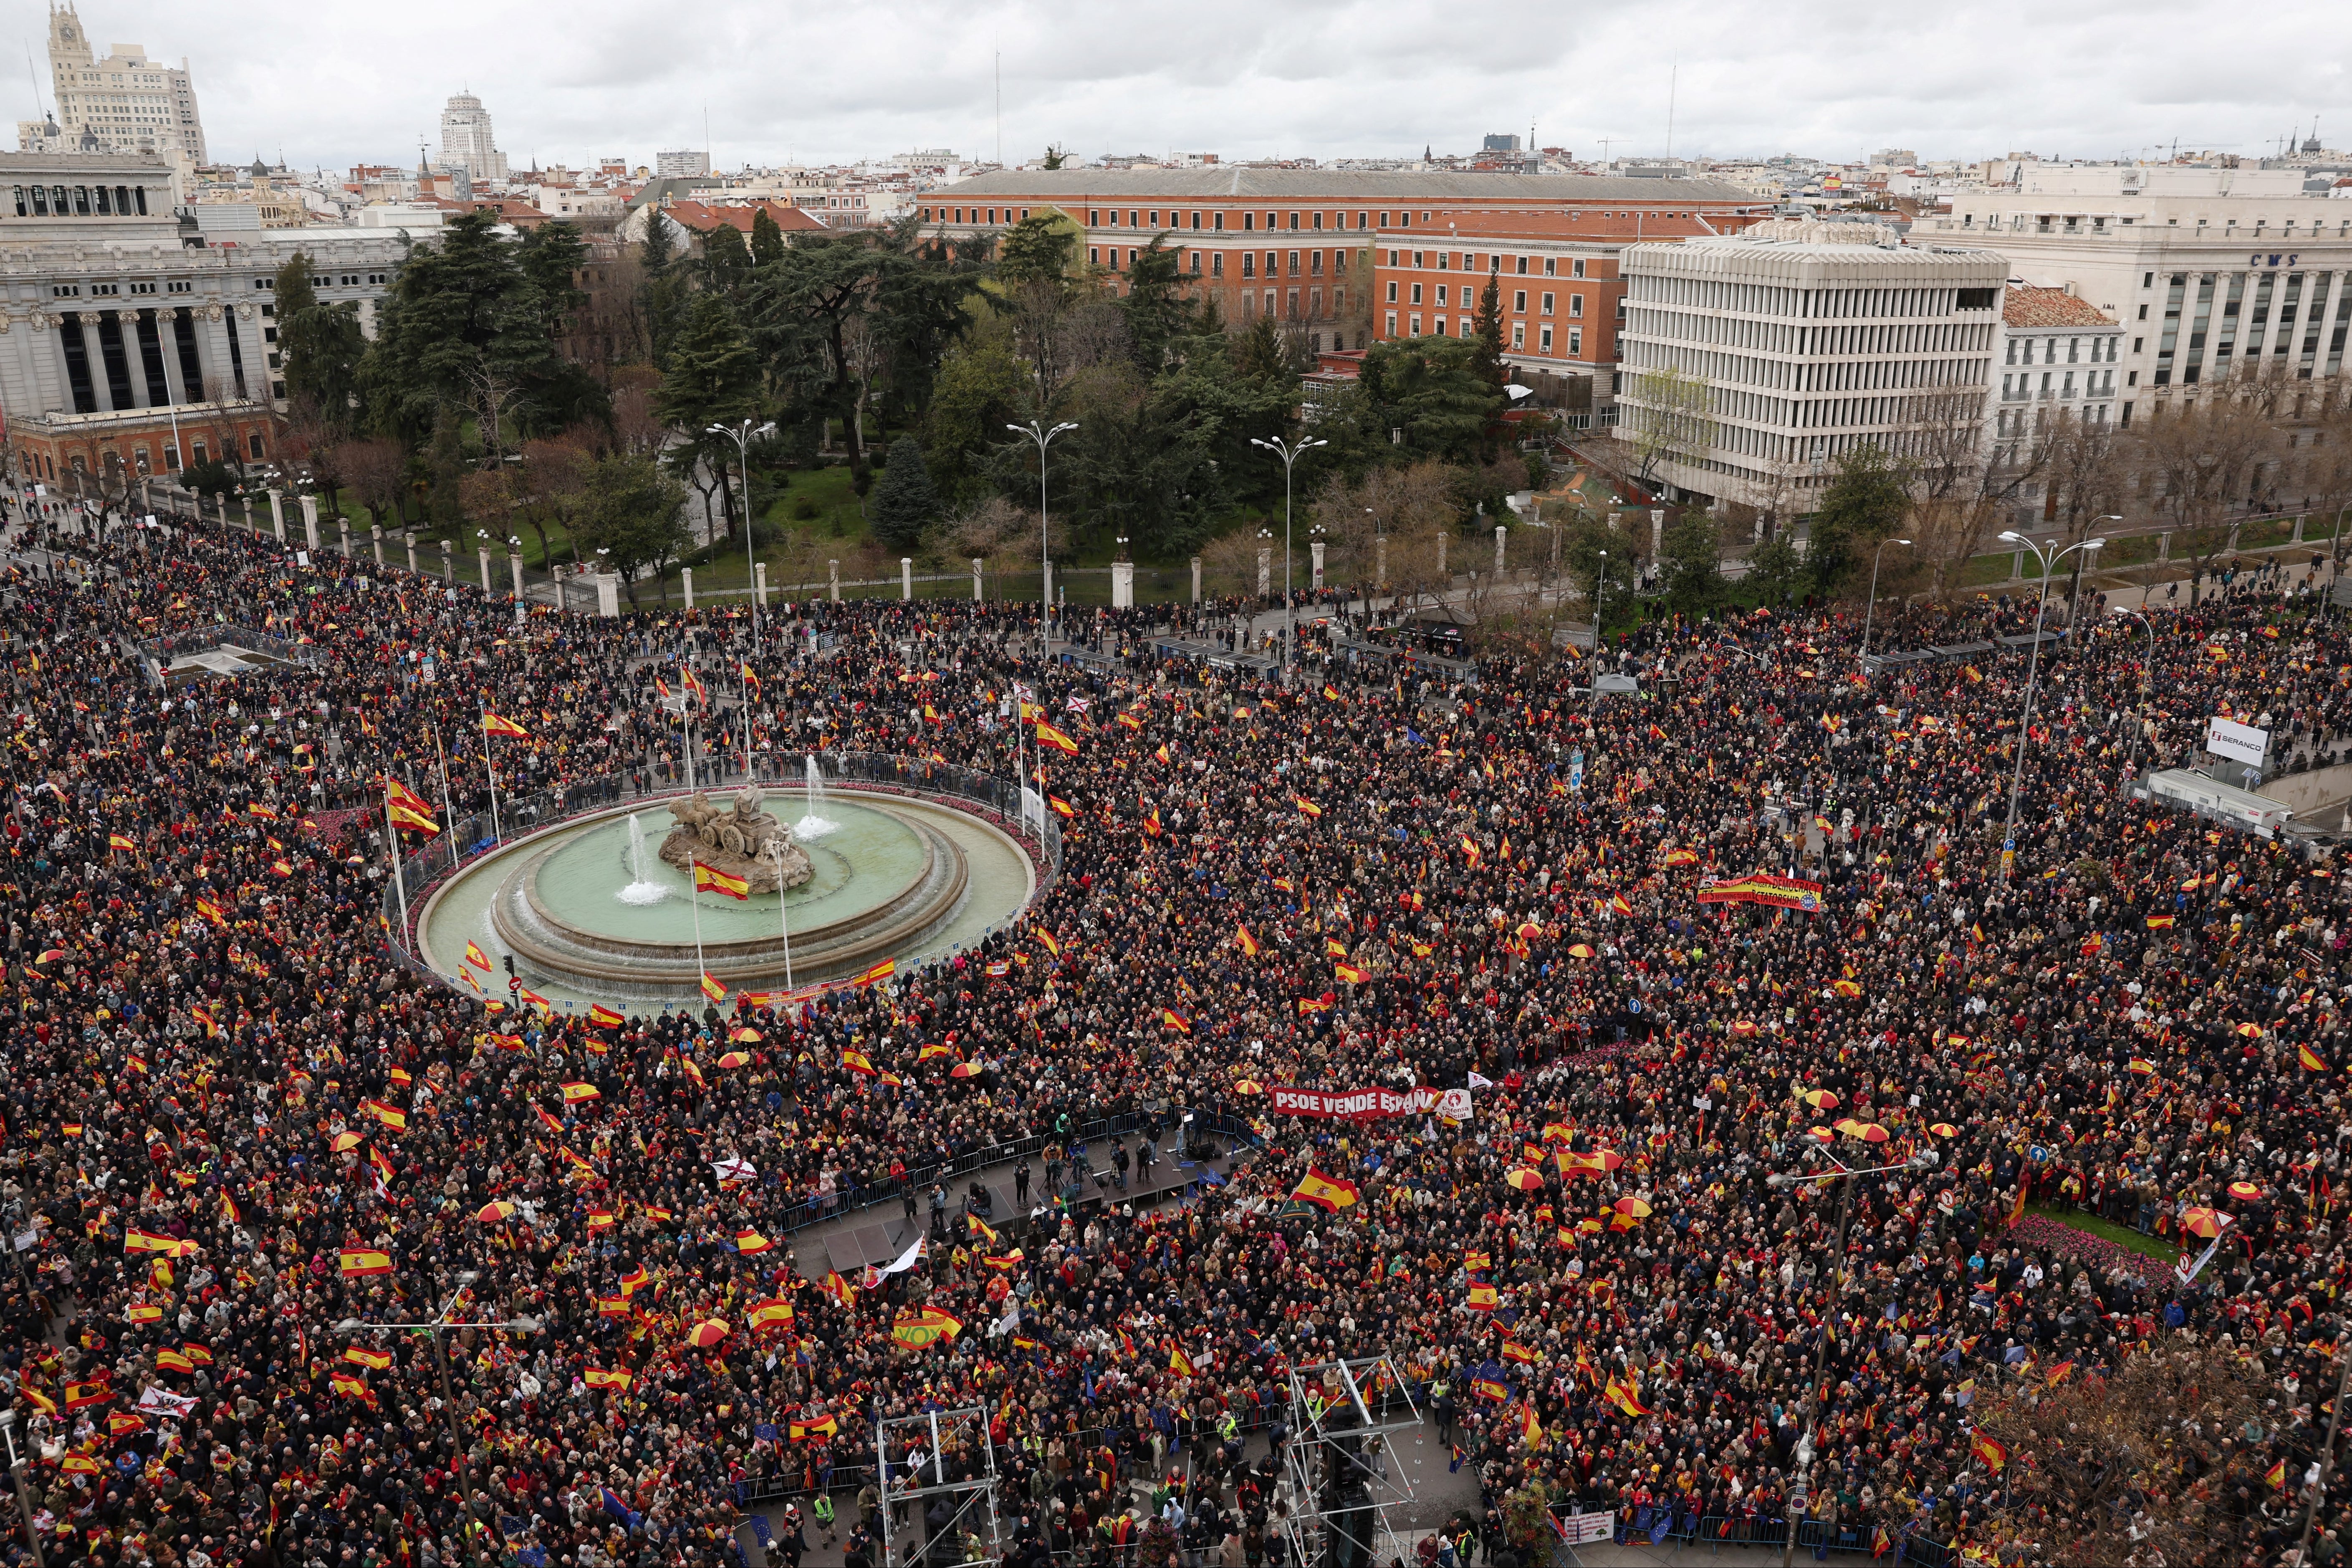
[(2239, 742), (1585, 1529)]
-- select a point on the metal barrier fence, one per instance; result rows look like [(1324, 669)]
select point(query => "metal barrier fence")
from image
[(204, 639), (1716, 1532), (998, 800)]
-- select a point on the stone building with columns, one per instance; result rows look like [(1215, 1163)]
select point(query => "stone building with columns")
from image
[(134, 332)]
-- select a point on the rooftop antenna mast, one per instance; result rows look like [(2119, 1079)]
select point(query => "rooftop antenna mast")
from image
[(1000, 108), (1673, 78)]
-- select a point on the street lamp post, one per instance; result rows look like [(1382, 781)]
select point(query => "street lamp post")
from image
[(1600, 582), (2048, 558), (741, 433), (1845, 1175), (1043, 438), (441, 1324), (1289, 452), (1871, 609)]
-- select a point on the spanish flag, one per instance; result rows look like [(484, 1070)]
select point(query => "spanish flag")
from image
[(882, 971), (79, 1395), (1061, 807), (143, 1314), (573, 1093), (2276, 1475), (1993, 1454), (1247, 944), (494, 725), (710, 879), (823, 1426), (394, 1119), (1617, 902), (477, 957), (2310, 1060), (694, 684), (1046, 937), (712, 989), (1306, 807), (773, 1313), (749, 1243), (1176, 1021), (360, 1260), (1530, 1428), (413, 819), (352, 1386), (2158, 922), (1625, 1398), (598, 1377), (635, 1280), (1350, 973), (1177, 1361), (751, 681), (925, 1326), (1484, 1299), (603, 1017), (1049, 736), (375, 1360), (116, 840), (1325, 1193), (211, 912)]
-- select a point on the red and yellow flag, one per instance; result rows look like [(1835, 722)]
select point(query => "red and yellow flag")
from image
[(710, 879), (1327, 1192)]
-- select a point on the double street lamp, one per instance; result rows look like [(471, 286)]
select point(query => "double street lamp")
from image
[(1041, 437), (741, 433), (2048, 555), (441, 1322), (1872, 608), (1289, 452)]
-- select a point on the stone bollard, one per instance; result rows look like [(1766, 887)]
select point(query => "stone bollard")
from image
[(486, 570), (1196, 579), (376, 542), (448, 564), (906, 577), (278, 515), (1501, 533), (408, 537), (608, 594), (514, 568), (343, 528), (1122, 585), (310, 521), (833, 580), (760, 581), (686, 577), (1314, 555), (976, 595)]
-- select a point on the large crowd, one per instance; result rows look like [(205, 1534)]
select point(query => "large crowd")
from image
[(241, 1133)]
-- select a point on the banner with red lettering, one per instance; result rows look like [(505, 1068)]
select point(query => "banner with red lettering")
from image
[(1367, 1104)]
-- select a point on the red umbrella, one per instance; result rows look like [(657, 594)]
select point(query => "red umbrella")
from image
[(706, 1334)]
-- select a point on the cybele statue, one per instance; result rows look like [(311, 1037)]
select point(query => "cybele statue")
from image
[(742, 840)]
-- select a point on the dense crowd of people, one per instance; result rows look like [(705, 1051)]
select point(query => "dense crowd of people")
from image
[(248, 1150)]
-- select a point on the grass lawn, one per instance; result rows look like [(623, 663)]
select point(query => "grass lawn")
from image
[(2123, 1235)]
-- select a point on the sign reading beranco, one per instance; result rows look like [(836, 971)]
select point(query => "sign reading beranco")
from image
[(1365, 1104), (2239, 742)]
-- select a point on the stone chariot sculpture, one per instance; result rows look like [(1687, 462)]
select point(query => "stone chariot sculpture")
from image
[(742, 840)]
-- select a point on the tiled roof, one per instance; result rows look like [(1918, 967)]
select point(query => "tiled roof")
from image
[(1334, 185), (2027, 306), (703, 218)]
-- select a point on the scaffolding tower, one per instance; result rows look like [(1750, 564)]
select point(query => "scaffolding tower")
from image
[(916, 1476), (1349, 1491)]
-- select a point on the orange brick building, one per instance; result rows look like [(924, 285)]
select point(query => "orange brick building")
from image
[(1561, 299), (1300, 244)]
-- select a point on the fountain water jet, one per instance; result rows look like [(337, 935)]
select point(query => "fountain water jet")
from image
[(642, 888), (816, 825)]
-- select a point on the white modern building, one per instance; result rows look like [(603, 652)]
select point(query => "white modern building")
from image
[(2058, 356), (2205, 269), (681, 163), (124, 102), (1808, 340), (466, 140)]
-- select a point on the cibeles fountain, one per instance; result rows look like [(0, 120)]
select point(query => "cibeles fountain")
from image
[(590, 910)]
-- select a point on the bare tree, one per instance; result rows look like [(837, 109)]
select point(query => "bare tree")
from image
[(494, 401), (997, 533), (637, 430), (866, 356), (1671, 418), (2204, 459), (1966, 488), (1393, 503), (2142, 1467), (2324, 472), (377, 472)]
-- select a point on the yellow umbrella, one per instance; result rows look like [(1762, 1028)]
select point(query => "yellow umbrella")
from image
[(746, 1034), (706, 1333), (1824, 1134), (964, 1070), (1578, 950), (1821, 1100), (1524, 1180), (2207, 1222), (1869, 1133), (494, 1213), (345, 1142), (1631, 1208)]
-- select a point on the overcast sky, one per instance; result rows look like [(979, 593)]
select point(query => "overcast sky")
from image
[(337, 83)]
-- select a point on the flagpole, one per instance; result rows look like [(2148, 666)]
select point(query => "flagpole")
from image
[(489, 770), (783, 914), (694, 902), (391, 853), (448, 817)]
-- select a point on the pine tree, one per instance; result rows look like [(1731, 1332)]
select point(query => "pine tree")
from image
[(445, 461), (713, 377), (767, 239), (1488, 361), (903, 504)]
